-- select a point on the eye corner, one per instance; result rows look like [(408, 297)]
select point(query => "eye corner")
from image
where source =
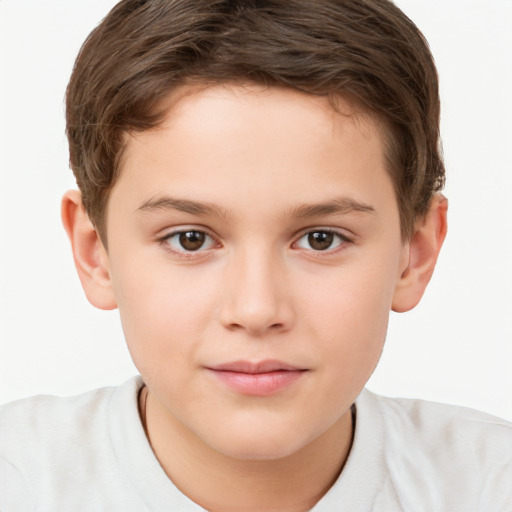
[(188, 242), (327, 240)]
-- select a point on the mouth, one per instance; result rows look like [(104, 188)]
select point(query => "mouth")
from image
[(263, 378)]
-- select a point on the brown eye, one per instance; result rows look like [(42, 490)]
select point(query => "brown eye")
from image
[(192, 240), (188, 241), (320, 240)]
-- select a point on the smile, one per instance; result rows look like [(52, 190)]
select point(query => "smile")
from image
[(257, 379)]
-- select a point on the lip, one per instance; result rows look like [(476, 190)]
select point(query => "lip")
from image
[(263, 378)]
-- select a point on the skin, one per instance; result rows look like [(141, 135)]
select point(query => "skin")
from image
[(273, 166)]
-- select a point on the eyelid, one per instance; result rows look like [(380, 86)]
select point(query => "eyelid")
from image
[(183, 228), (168, 234), (344, 239)]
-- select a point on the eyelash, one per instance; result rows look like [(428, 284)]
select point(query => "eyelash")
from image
[(343, 240), (166, 241)]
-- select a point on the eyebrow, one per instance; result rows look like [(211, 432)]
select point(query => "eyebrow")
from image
[(337, 206), (182, 205)]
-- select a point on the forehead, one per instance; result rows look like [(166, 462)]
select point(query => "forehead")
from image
[(203, 105), (240, 141)]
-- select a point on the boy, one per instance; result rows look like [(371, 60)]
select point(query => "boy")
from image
[(259, 187)]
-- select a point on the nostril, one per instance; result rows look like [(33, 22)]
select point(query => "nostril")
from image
[(255, 329)]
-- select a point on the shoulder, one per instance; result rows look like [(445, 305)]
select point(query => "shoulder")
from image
[(442, 427), (42, 410), (448, 452), (42, 419), (49, 442)]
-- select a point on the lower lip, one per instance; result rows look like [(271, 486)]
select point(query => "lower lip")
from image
[(258, 384)]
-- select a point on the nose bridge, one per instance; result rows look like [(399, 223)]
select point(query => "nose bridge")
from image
[(256, 298)]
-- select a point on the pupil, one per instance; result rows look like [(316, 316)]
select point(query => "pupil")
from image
[(192, 240), (320, 240)]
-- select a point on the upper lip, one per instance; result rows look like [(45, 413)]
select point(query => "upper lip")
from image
[(267, 366)]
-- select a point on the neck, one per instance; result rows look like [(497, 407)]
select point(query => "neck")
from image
[(218, 482)]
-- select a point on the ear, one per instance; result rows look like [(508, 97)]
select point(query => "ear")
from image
[(424, 247), (91, 258)]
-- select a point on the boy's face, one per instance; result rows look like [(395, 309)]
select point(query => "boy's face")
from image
[(254, 250)]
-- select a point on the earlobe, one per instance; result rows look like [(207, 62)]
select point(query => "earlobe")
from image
[(424, 247), (91, 259)]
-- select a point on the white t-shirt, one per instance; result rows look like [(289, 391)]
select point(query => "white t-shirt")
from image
[(90, 453)]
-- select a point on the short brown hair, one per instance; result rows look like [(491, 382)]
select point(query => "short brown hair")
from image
[(367, 51)]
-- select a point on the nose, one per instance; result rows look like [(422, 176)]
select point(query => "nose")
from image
[(257, 295)]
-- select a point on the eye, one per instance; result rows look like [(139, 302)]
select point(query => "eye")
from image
[(190, 240), (321, 240)]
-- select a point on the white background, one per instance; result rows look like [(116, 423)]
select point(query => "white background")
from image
[(455, 347)]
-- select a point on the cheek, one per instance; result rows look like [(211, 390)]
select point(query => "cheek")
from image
[(353, 328), (355, 298), (350, 314), (164, 312)]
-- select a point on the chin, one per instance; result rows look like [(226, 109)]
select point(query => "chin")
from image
[(259, 451), (264, 445)]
